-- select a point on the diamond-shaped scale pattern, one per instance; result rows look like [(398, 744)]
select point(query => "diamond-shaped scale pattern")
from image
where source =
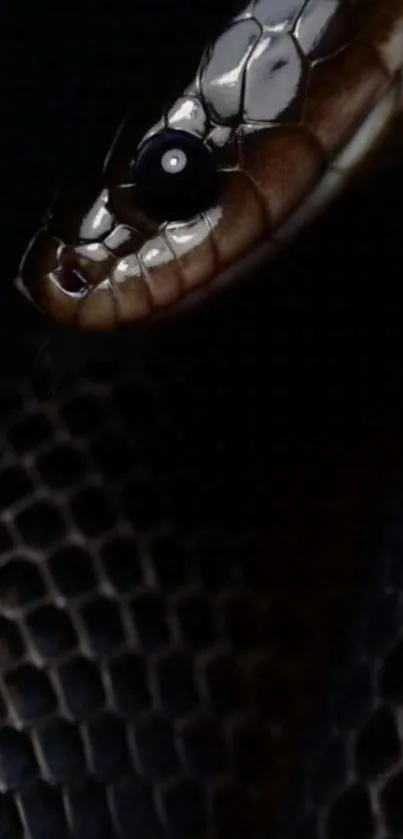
[(138, 690)]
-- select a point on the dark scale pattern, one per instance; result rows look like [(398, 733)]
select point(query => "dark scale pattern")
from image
[(40, 523), (60, 750), (17, 761), (42, 811), (155, 747), (72, 571), (218, 504), (350, 817), (391, 800), (129, 683), (107, 746), (31, 694), (140, 695), (122, 564), (378, 745), (135, 661), (81, 687), (87, 810), (10, 823), (180, 545), (14, 486), (62, 466), (21, 585), (51, 632), (29, 432), (356, 776), (392, 675), (137, 683)]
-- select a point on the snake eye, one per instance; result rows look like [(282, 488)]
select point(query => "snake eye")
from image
[(175, 177)]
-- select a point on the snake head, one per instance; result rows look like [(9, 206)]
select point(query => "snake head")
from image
[(284, 105)]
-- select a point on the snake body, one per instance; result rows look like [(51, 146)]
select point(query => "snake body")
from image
[(290, 99)]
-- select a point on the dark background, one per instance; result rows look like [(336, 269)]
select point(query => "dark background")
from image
[(276, 411)]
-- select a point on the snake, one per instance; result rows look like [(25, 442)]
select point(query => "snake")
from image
[(289, 103), (286, 105)]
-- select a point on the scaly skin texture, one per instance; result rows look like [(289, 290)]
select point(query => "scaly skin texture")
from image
[(291, 98)]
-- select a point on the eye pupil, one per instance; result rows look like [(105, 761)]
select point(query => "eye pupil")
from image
[(175, 176), (174, 161)]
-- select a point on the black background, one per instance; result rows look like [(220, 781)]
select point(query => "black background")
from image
[(300, 435)]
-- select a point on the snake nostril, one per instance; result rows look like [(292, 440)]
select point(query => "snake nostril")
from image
[(71, 281)]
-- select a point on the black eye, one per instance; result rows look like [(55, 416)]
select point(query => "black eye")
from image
[(175, 177)]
